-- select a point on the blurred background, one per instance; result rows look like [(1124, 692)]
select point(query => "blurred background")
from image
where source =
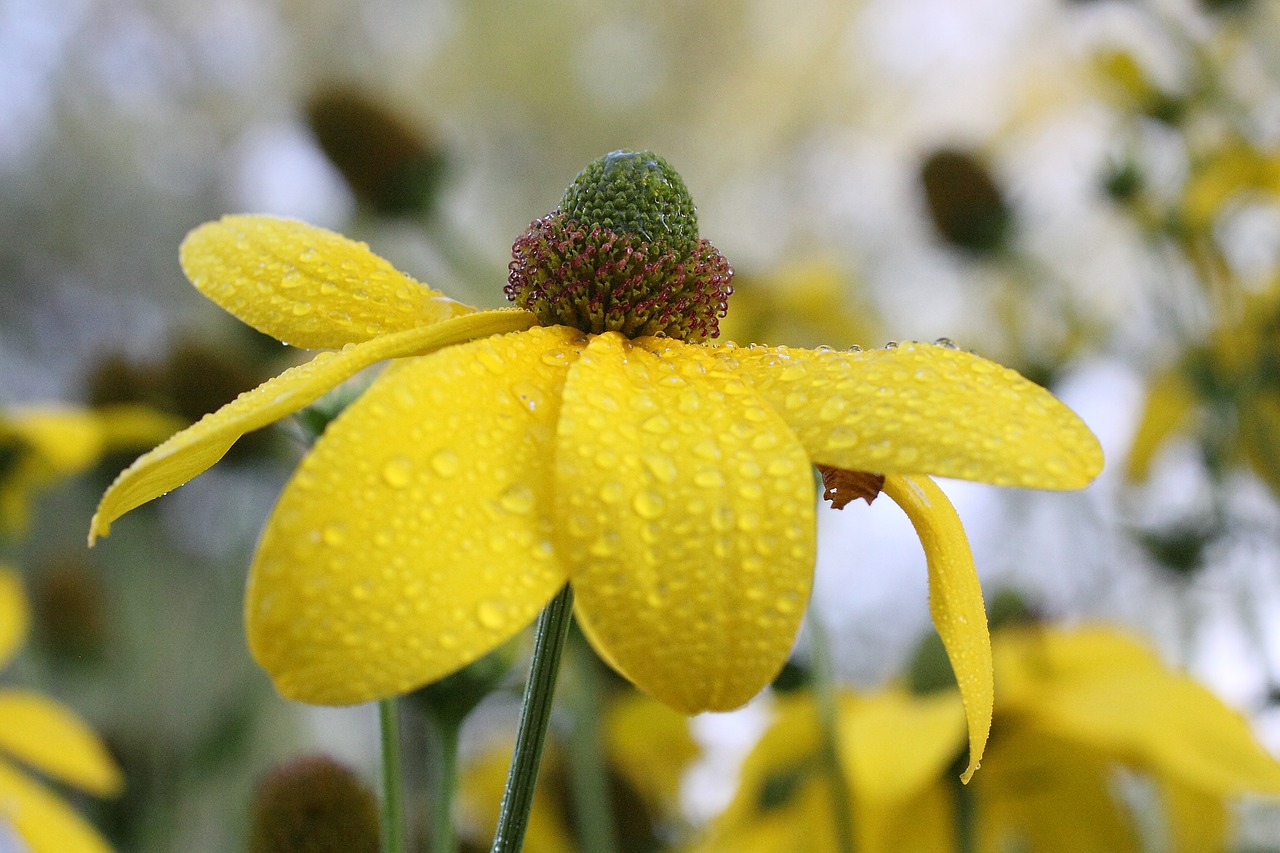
[(1086, 191)]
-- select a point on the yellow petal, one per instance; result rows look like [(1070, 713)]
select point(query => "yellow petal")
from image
[(955, 600), (923, 409), (685, 512), (1044, 794), (41, 820), (415, 536), (130, 426), (1103, 691), (55, 741), (199, 446), (651, 747), (896, 746), (1169, 404), (304, 285), (63, 441), (15, 617), (1198, 822)]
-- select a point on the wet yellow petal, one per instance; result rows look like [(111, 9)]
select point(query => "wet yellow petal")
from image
[(304, 285), (41, 820), (201, 445), (955, 600), (55, 741), (415, 536), (1100, 689), (685, 512), (923, 409), (15, 616), (1169, 404)]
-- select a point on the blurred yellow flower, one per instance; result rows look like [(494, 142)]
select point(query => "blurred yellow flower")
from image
[(671, 482), (647, 747), (53, 741), (1225, 394), (40, 445), (1074, 710)]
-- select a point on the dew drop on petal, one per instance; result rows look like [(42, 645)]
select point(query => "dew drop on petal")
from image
[(445, 462), (491, 614), (648, 504), (398, 472), (518, 500)]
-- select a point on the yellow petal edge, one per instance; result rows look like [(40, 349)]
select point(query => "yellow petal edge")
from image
[(304, 285), (198, 447)]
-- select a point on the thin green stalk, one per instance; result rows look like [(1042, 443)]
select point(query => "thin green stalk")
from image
[(966, 817), (824, 687), (517, 800), (588, 773), (444, 783), (392, 781)]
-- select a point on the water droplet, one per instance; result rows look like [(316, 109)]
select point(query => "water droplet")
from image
[(709, 478), (661, 467), (891, 345), (492, 614), (398, 472), (445, 462), (947, 343), (611, 492), (333, 534), (854, 348), (518, 500), (447, 640), (648, 504), (657, 424), (301, 309)]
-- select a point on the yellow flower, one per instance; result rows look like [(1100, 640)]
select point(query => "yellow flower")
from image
[(670, 481), (51, 739), (1225, 393), (647, 747), (1073, 709), (40, 445)]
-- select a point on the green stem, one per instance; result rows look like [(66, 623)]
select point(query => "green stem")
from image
[(392, 783), (517, 800), (444, 783), (588, 774), (824, 686), (966, 818)]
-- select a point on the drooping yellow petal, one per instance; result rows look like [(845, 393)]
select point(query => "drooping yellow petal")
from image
[(44, 823), (923, 409), (199, 446), (415, 536), (304, 285), (955, 600), (1169, 404), (1102, 690), (55, 741), (685, 512), (15, 617)]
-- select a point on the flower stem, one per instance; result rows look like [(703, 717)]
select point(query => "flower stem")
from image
[(588, 773), (444, 783), (392, 782), (824, 687), (517, 800)]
